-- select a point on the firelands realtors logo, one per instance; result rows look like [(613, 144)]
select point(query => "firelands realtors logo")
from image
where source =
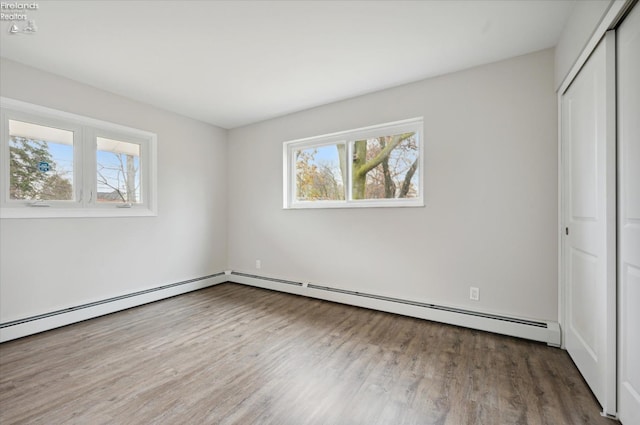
[(18, 15)]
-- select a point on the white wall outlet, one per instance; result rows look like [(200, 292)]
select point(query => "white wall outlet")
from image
[(474, 293), (258, 264)]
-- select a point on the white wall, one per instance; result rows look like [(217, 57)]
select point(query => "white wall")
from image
[(580, 26), (489, 220), (50, 264), (491, 196)]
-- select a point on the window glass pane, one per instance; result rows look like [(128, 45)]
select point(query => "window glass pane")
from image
[(319, 172), (118, 171), (40, 162), (386, 167)]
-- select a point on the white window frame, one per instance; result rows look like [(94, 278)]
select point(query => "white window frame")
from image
[(347, 138), (123, 137), (84, 173), (48, 121)]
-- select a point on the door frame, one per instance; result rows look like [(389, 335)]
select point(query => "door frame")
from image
[(628, 404)]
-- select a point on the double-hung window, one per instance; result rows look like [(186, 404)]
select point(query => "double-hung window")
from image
[(377, 166), (57, 164)]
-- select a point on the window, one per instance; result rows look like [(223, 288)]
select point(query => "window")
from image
[(378, 166), (319, 173), (117, 171), (40, 162), (56, 164)]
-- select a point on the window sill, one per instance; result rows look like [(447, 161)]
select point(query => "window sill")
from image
[(76, 212), (414, 203)]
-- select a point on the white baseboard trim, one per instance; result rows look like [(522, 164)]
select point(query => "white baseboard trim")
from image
[(542, 331), (44, 322), (547, 332)]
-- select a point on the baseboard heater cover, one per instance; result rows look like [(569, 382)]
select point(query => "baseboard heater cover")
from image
[(432, 306), (270, 279), (109, 305), (548, 332)]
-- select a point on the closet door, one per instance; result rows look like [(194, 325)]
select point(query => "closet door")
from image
[(588, 197), (629, 217)]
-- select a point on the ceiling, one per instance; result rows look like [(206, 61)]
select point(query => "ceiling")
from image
[(231, 63)]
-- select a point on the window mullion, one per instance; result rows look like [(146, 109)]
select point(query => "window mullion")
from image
[(143, 198), (78, 166), (349, 168), (293, 187), (4, 159), (89, 169)]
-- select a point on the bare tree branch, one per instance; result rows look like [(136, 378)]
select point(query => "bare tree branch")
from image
[(384, 153), (406, 185)]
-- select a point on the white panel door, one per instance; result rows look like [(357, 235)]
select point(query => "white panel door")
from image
[(629, 218), (589, 262)]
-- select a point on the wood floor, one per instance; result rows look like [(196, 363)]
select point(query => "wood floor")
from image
[(232, 354)]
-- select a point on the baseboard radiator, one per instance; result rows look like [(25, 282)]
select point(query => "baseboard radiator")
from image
[(543, 331), (42, 322), (548, 332)]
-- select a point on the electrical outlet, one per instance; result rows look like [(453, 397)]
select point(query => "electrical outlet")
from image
[(258, 264), (474, 293)]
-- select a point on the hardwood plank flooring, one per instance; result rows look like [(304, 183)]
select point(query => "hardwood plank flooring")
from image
[(232, 354)]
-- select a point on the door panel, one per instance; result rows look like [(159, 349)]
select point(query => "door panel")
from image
[(629, 217), (588, 151), (583, 272)]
